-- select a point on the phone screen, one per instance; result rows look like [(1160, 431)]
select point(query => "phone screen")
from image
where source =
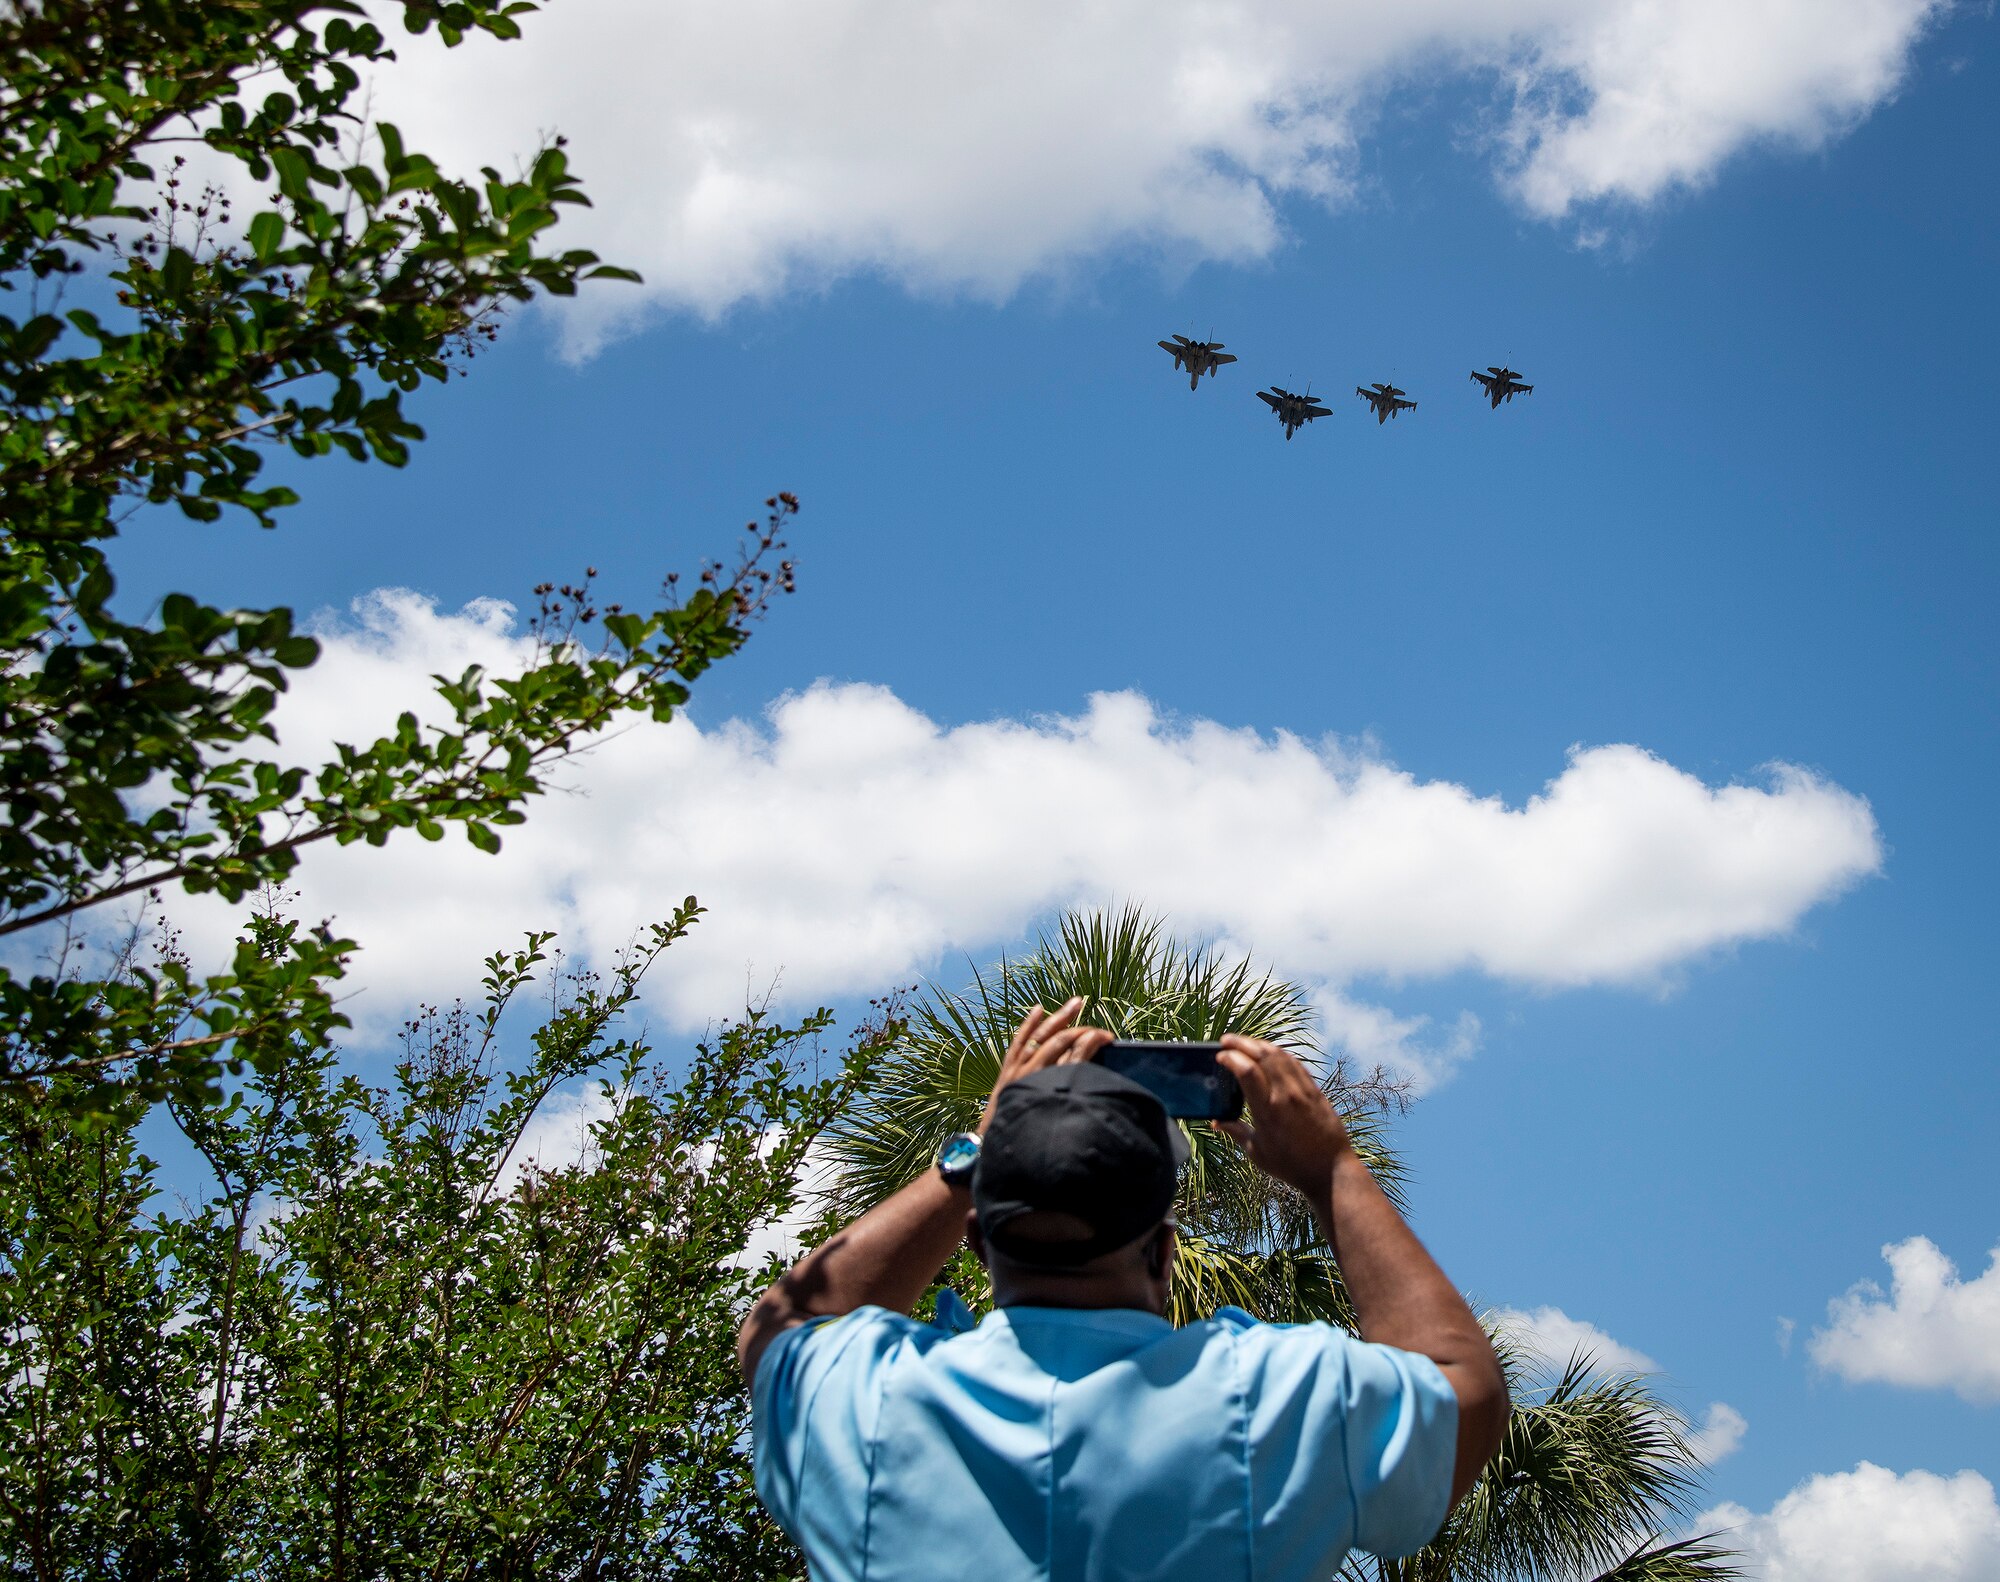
[(1186, 1078)]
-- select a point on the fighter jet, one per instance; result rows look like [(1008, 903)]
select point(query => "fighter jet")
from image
[(1196, 358), (1387, 401), (1294, 411), (1502, 384)]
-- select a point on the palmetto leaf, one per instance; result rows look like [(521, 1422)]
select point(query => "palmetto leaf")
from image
[(1290, 1286), (1592, 1467), (1690, 1560)]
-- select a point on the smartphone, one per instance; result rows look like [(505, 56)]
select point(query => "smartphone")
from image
[(1186, 1078)]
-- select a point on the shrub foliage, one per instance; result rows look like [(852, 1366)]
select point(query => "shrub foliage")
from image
[(476, 1321)]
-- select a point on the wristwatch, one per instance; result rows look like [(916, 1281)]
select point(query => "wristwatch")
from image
[(958, 1157)]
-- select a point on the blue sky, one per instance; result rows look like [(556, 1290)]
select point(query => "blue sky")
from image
[(1747, 517)]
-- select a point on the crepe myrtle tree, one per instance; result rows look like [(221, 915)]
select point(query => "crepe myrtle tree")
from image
[(474, 1320), (1595, 1468), (156, 347)]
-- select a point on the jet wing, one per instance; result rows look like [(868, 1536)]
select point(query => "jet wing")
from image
[(1223, 357), (1319, 411), (1269, 400), (1488, 380)]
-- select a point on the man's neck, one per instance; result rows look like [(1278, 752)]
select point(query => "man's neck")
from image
[(1074, 1290)]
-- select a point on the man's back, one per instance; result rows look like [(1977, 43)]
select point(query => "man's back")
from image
[(1085, 1445)]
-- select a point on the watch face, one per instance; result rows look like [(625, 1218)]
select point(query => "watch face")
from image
[(959, 1154)]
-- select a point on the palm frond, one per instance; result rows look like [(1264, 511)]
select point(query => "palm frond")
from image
[(1690, 1560), (1209, 1275), (1593, 1464), (1291, 1287)]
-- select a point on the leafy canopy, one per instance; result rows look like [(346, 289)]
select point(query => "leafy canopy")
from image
[(378, 1341), (136, 756)]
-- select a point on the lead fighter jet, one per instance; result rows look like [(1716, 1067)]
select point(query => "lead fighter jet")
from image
[(1294, 411), (1195, 358), (1387, 401), (1502, 384)]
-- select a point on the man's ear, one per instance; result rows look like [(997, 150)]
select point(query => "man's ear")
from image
[(1160, 1252), (974, 1240)]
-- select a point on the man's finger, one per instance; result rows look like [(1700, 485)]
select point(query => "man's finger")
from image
[(1236, 1131), (1083, 1045), (1056, 1048), (1255, 1083), (1036, 1027), (1024, 1034), (1065, 1013), (1282, 1070)]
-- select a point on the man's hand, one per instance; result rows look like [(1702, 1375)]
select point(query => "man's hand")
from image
[(1296, 1134), (1043, 1040)]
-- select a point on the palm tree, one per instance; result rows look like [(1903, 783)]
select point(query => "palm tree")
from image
[(1245, 1240), (1594, 1467)]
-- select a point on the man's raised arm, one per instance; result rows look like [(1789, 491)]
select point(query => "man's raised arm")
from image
[(1400, 1295), (887, 1257)]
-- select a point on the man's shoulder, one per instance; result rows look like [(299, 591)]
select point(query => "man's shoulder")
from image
[(871, 1329), (798, 1361), (869, 1339), (1247, 1332), (1314, 1355)]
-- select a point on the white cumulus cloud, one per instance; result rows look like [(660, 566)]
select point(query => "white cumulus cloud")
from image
[(846, 842), (1933, 1330), (1870, 1525), (1373, 1035), (1550, 1338), (1630, 100), (1719, 1434), (738, 149)]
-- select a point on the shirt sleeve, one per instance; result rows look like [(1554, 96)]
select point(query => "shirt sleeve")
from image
[(1402, 1444), (814, 1403), (1351, 1445)]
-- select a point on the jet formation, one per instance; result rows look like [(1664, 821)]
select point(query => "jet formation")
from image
[(1387, 401), (1294, 411), (1502, 384), (1195, 358)]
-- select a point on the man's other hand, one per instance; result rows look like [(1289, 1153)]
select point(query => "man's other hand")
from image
[(1294, 1133), (1045, 1040)]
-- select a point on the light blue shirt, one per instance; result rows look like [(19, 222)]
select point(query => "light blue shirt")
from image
[(1097, 1445)]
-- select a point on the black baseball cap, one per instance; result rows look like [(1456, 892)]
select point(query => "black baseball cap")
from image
[(1077, 1140)]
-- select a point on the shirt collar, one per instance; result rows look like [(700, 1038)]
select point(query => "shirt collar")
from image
[(1133, 1321)]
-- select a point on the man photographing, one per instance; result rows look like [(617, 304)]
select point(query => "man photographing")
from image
[(1075, 1433)]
